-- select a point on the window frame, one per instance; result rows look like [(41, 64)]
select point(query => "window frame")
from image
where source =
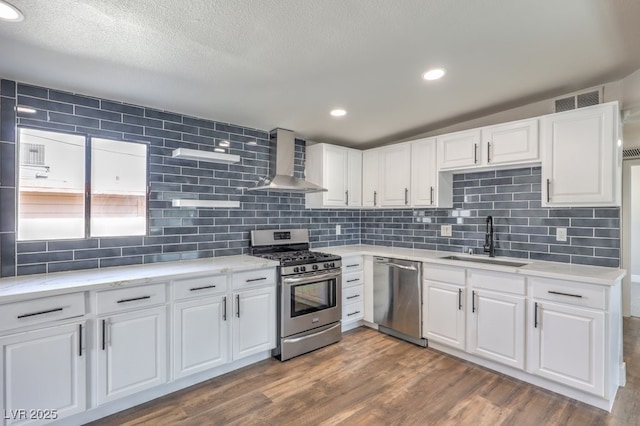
[(87, 182)]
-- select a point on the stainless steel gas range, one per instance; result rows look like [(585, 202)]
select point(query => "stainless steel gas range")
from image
[(309, 291)]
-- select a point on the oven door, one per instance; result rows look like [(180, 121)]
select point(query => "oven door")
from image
[(309, 301)]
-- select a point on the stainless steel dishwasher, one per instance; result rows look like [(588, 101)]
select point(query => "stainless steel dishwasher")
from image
[(397, 298)]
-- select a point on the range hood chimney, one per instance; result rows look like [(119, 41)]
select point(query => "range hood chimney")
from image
[(281, 167)]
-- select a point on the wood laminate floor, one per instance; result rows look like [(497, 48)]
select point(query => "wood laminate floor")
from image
[(373, 379)]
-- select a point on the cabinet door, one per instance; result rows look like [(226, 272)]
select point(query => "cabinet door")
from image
[(580, 157), (371, 178), (568, 345), (497, 327), (424, 173), (43, 370), (335, 164), (200, 335), (131, 352), (395, 175), (511, 143), (444, 314), (354, 177), (460, 149), (254, 322)]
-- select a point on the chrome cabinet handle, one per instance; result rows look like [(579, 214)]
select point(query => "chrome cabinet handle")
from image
[(224, 308), (353, 280), (431, 195), (535, 315), (250, 280), (353, 313), (104, 334), (202, 288), (475, 153), (40, 313), (473, 301), (564, 294), (353, 297), (459, 299), (346, 198), (375, 198), (79, 339), (135, 299), (238, 305), (406, 196), (488, 152), (548, 188)]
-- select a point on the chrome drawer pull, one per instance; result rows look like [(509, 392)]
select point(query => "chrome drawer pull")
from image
[(565, 294), (40, 313), (354, 265), (353, 313), (355, 279), (353, 297), (134, 299), (256, 279), (202, 288)]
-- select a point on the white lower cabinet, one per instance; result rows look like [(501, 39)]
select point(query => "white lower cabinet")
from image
[(497, 327), (43, 374), (444, 315), (254, 321), (132, 352), (200, 335), (567, 345), (353, 291)]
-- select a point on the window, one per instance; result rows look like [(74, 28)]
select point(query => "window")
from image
[(71, 186)]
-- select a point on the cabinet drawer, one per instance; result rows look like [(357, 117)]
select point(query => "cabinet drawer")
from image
[(443, 273), (591, 296), (130, 298), (353, 294), (353, 278), (352, 263), (353, 311), (257, 277), (199, 286), (497, 281), (38, 311)]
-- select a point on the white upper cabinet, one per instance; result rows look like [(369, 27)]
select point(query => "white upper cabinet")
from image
[(459, 150), (511, 143), (339, 170), (428, 187), (503, 144), (395, 175), (581, 159), (371, 178)]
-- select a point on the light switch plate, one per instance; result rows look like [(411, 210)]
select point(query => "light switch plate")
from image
[(561, 234), (445, 230)]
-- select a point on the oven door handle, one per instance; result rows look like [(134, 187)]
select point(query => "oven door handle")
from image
[(311, 278), (312, 336)]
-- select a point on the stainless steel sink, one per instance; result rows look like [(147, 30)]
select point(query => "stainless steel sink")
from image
[(487, 260)]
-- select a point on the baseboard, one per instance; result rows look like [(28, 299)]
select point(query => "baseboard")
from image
[(623, 374)]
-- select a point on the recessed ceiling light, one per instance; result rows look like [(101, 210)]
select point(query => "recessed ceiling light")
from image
[(338, 112), (434, 74), (9, 12), (26, 109), (223, 143)]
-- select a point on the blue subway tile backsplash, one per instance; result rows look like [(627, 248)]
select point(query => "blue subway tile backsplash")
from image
[(512, 197)]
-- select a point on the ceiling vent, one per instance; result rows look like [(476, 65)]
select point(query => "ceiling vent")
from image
[(630, 153), (578, 100)]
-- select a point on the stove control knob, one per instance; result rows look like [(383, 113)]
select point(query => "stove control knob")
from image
[(315, 267), (296, 269), (326, 265), (303, 268), (333, 265)]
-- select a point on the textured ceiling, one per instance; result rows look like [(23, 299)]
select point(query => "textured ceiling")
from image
[(286, 63)]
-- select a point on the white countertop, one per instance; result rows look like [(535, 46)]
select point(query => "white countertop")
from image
[(561, 271), (92, 279)]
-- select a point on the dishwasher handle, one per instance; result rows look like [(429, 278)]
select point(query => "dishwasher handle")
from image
[(388, 262)]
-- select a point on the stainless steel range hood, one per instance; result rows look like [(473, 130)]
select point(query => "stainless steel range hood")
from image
[(281, 167)]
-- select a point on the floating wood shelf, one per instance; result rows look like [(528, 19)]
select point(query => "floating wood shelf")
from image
[(213, 157), (205, 203)]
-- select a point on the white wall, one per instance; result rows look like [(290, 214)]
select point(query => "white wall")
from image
[(635, 220)]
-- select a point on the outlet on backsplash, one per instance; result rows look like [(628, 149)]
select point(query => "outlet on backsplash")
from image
[(445, 230)]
